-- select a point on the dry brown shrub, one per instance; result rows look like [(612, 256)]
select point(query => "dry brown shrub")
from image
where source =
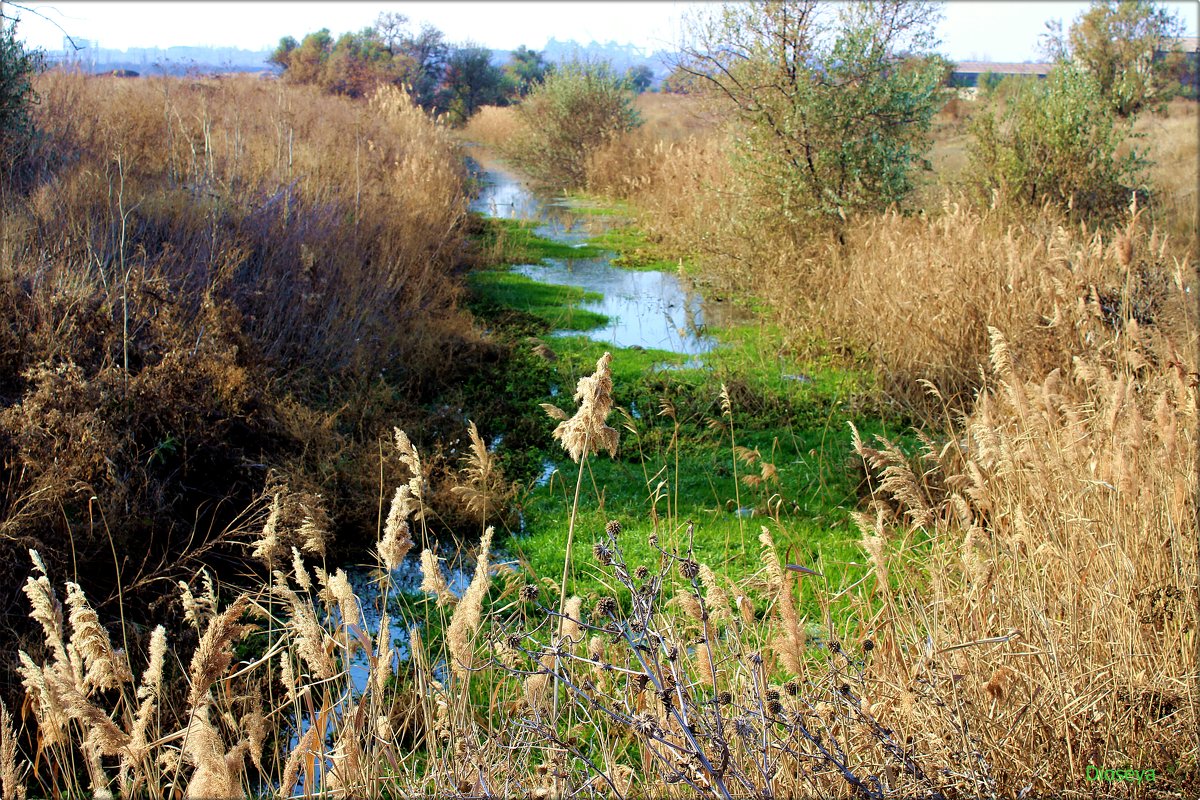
[(1061, 562), (197, 268), (493, 126)]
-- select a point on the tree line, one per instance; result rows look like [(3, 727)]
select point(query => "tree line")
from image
[(443, 78)]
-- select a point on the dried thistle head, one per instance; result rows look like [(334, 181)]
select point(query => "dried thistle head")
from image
[(586, 432)]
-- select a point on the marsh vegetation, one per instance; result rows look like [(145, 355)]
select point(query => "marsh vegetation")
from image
[(330, 467)]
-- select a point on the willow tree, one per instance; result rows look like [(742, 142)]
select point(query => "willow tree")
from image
[(833, 102)]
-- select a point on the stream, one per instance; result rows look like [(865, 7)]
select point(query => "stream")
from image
[(646, 309)]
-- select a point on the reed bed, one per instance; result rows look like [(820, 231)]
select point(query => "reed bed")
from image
[(192, 269), (1028, 621), (1030, 611)]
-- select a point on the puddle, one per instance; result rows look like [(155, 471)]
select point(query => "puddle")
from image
[(406, 579), (647, 309), (548, 470)]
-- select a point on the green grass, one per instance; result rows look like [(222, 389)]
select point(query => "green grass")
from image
[(791, 411), (517, 242), (587, 205), (555, 305), (665, 475), (634, 250)]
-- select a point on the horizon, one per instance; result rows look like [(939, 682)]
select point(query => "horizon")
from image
[(971, 30)]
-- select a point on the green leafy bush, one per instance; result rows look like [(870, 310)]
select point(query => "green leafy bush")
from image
[(577, 108), (833, 103), (1055, 141), (18, 66), (1120, 42)]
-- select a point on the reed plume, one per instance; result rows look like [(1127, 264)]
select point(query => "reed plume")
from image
[(789, 643), (214, 653), (106, 667), (433, 580), (217, 772), (12, 771), (469, 613), (586, 432), (397, 536)]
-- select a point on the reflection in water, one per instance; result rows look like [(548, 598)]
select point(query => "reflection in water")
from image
[(645, 309), (649, 308)]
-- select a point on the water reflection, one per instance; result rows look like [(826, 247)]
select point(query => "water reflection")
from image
[(646, 308)]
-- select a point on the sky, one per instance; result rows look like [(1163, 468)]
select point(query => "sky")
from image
[(984, 30)]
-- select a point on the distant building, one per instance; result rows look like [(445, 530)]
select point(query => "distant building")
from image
[(1185, 50), (966, 73)]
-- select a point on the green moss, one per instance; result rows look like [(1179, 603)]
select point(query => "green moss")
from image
[(555, 305), (510, 241), (788, 415), (786, 462)]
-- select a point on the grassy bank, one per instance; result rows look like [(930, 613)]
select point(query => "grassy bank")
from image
[(744, 435)]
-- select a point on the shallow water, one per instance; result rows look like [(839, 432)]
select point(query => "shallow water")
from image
[(646, 308)]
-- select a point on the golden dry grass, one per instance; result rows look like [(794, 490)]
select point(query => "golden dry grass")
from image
[(1032, 611), (1032, 607), (1173, 145), (493, 126), (192, 272)]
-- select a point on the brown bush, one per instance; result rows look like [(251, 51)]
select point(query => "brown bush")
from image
[(202, 277)]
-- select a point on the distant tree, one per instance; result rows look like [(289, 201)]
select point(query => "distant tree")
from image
[(283, 52), (1118, 42), (470, 80), (423, 58), (526, 70), (834, 103), (386, 52), (391, 28), (639, 78), (306, 62)]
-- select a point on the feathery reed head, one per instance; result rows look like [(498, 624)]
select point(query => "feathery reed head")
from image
[(586, 432)]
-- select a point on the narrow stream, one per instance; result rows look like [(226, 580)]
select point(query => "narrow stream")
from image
[(646, 308)]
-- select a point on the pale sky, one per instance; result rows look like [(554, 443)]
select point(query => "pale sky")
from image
[(972, 29)]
